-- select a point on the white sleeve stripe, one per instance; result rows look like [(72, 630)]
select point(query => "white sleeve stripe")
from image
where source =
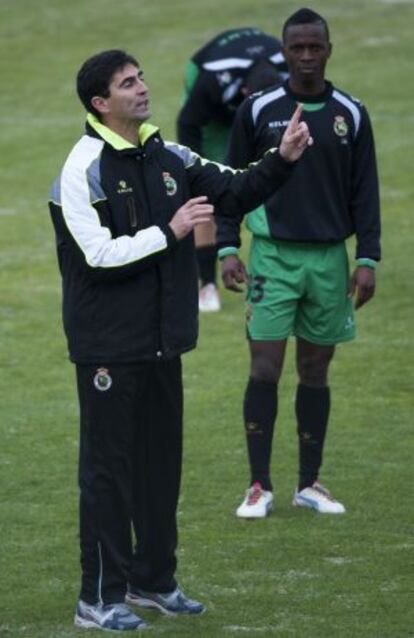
[(277, 58), (101, 250), (228, 63), (261, 102), (356, 115)]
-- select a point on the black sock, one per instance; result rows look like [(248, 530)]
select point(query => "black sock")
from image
[(312, 413), (260, 411), (206, 260)]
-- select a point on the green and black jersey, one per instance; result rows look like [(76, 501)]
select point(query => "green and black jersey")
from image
[(333, 192), (213, 83)]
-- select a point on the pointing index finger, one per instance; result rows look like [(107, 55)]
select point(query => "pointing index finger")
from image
[(296, 117)]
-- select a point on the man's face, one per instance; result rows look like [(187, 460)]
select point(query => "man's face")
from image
[(128, 99), (306, 49)]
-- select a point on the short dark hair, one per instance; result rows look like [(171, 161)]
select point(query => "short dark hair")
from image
[(305, 16), (262, 75), (96, 73)]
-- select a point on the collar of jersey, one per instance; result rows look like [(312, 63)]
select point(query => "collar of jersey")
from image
[(145, 131), (318, 100)]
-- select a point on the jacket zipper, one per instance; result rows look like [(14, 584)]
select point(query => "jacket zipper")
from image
[(159, 351), (132, 212)]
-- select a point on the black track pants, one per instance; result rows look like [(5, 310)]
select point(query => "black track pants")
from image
[(129, 475)]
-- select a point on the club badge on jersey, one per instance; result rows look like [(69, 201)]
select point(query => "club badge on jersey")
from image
[(340, 126), (102, 380)]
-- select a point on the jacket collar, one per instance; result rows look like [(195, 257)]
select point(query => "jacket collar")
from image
[(145, 131)]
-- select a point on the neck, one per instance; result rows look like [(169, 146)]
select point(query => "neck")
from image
[(307, 88), (126, 129)]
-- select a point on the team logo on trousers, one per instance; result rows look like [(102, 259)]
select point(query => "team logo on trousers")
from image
[(170, 184), (102, 380), (340, 126)]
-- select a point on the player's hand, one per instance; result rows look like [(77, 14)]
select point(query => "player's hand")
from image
[(233, 273), (296, 137), (363, 284), (195, 211)]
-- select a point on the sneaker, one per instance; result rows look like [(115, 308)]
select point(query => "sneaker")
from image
[(111, 617), (208, 299), (169, 604), (257, 504), (318, 498)]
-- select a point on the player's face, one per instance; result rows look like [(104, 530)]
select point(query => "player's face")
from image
[(306, 49), (128, 96)]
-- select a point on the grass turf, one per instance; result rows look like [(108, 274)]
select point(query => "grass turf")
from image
[(295, 574)]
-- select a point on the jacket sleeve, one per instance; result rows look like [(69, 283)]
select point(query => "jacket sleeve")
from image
[(234, 192), (197, 111), (365, 202), (80, 232)]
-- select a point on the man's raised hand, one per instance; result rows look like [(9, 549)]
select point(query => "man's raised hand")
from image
[(296, 137)]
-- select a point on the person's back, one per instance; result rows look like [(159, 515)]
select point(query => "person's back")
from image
[(215, 79)]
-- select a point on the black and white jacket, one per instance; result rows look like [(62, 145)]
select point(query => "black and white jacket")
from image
[(129, 288)]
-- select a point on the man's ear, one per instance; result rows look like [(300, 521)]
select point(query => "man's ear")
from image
[(100, 104), (330, 50)]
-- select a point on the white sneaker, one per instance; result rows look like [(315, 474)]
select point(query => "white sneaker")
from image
[(208, 299), (318, 498), (110, 617), (257, 503)]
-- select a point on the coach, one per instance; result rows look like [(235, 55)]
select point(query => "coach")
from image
[(124, 208)]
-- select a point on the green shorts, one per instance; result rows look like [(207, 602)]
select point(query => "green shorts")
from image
[(300, 289)]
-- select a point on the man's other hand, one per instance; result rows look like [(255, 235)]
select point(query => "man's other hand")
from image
[(195, 211), (233, 272), (363, 283)]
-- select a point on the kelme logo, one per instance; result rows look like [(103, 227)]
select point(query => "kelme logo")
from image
[(170, 184), (123, 187), (340, 126)]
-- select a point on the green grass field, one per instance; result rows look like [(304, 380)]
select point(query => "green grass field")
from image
[(295, 574)]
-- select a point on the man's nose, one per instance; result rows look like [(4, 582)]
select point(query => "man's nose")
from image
[(142, 87), (306, 53)]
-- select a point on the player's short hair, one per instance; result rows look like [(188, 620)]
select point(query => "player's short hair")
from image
[(262, 75), (96, 73), (305, 16)]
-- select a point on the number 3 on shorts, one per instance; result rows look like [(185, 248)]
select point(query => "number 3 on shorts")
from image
[(256, 291)]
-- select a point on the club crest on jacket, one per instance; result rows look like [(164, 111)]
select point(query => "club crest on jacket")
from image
[(170, 184)]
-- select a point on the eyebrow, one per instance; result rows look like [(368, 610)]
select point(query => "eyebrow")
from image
[(140, 75)]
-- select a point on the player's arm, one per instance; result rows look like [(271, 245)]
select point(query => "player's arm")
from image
[(197, 111), (365, 209), (240, 153)]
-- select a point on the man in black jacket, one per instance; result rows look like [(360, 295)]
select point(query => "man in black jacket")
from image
[(218, 77), (124, 208), (298, 271)]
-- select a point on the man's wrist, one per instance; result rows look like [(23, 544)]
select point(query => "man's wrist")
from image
[(228, 250), (367, 261)]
